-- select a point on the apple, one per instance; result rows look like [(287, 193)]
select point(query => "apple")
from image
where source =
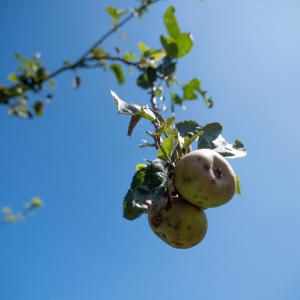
[(177, 222), (205, 178)]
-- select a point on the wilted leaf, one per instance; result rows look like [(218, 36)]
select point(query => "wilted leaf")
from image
[(134, 109), (235, 150), (133, 122)]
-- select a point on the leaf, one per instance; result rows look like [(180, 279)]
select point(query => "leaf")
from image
[(130, 211), (190, 130), (190, 89), (171, 22), (153, 55), (139, 167), (165, 126), (133, 122), (143, 47), (190, 138), (129, 56), (235, 150), (146, 80), (20, 110), (187, 127), (148, 184), (35, 203), (184, 44), (211, 132), (99, 53), (118, 71), (170, 46), (238, 185), (13, 77), (167, 148), (134, 109), (38, 108), (115, 13), (167, 68)]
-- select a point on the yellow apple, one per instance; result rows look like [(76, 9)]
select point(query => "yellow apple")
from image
[(177, 222), (205, 178)]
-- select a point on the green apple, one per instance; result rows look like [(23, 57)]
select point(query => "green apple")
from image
[(205, 178), (177, 222)]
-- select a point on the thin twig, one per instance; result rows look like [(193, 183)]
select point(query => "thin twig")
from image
[(83, 59)]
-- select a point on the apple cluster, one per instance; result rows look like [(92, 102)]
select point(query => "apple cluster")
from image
[(202, 179)]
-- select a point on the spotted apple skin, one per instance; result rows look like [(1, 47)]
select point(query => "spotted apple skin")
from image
[(177, 222), (205, 178)]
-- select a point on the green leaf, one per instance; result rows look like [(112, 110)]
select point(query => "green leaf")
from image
[(134, 109), (131, 211), (190, 130), (13, 77), (154, 54), (167, 68), (175, 99), (171, 22), (148, 184), (118, 71), (184, 44), (190, 89), (238, 185), (190, 138), (143, 47), (99, 53), (170, 46), (211, 132), (115, 13), (139, 167), (146, 80), (129, 56), (187, 127), (167, 148), (165, 126), (35, 203)]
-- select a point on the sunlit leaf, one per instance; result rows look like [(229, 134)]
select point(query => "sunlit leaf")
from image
[(118, 71), (171, 22)]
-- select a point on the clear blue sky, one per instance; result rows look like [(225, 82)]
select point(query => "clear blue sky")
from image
[(78, 159)]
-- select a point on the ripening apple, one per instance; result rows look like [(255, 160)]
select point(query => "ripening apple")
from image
[(178, 223), (205, 178)]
